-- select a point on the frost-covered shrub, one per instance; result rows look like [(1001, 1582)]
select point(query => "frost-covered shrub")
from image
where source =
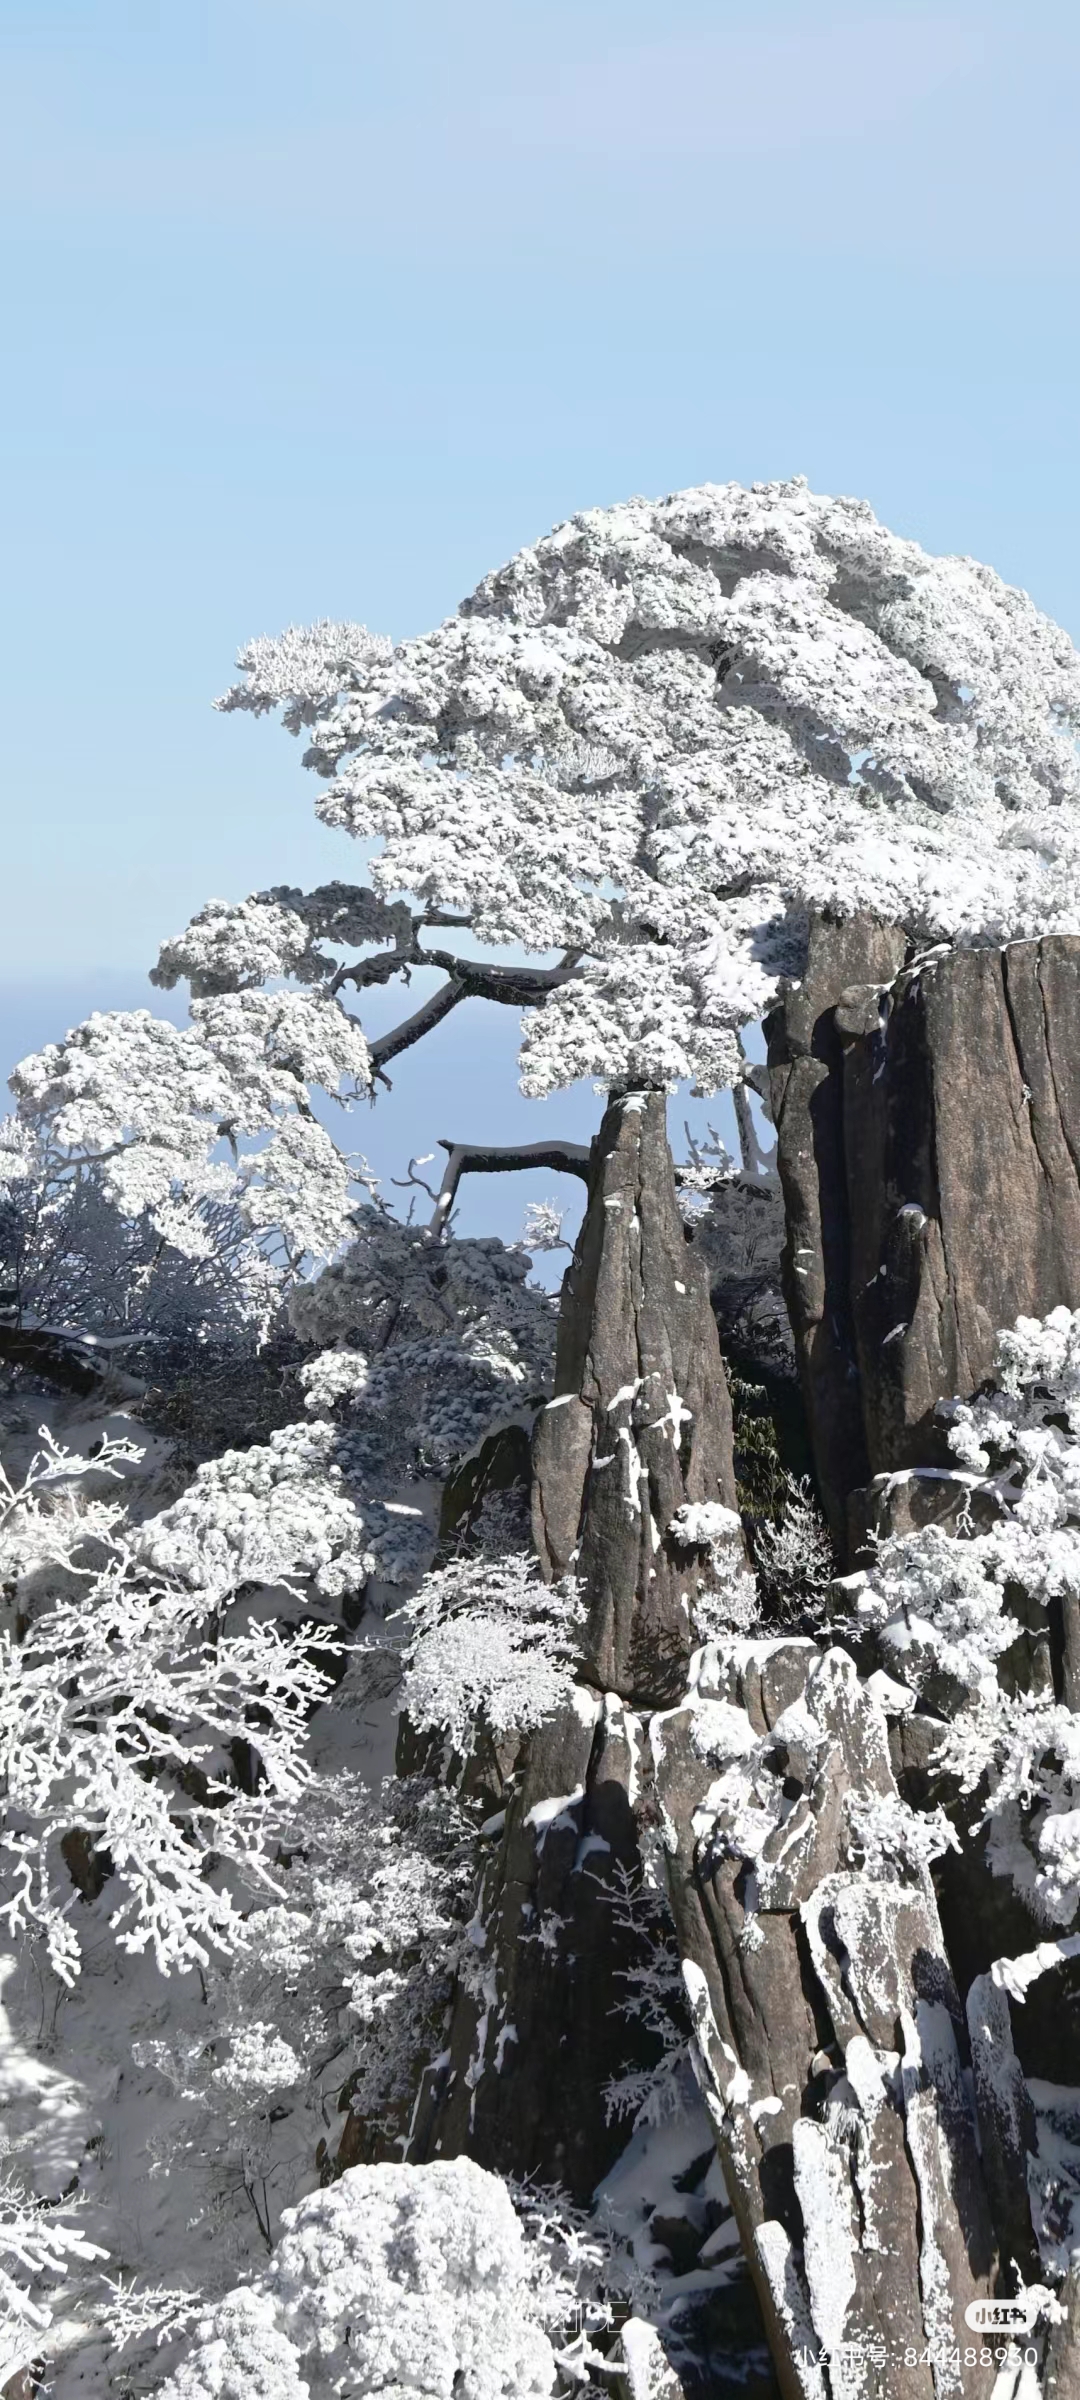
[(944, 1606), (239, 2353), (410, 2283), (265, 1514), (73, 1262), (153, 1102), (726, 1599), (543, 1226), (489, 1638), (340, 1988), (653, 1998), (455, 1339), (39, 2248), (120, 1695), (794, 1557)]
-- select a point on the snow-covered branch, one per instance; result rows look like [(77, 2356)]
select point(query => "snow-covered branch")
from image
[(659, 735), (120, 1694), (469, 979), (465, 1158)]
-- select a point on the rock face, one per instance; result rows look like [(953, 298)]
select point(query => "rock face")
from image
[(640, 1424), (807, 1094), (641, 1419), (928, 1127), (875, 2133), (536, 2034), (862, 2066), (826, 2021)]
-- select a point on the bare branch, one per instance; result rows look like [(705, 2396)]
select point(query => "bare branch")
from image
[(756, 1077), (564, 1158), (404, 1182), (470, 979), (412, 1029)]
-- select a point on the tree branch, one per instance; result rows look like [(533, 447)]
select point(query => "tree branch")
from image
[(516, 987), (382, 965), (412, 1029), (565, 1158), (470, 979), (756, 1161), (756, 1077)]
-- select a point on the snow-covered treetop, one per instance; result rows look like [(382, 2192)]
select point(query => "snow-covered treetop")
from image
[(487, 1634), (412, 2282), (642, 751), (160, 1111), (660, 734)]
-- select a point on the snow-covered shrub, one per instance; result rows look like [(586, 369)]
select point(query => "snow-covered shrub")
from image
[(431, 1343), (420, 1370), (260, 1516), (75, 1265), (653, 1997), (120, 1694), (39, 2247), (489, 1638), (341, 1986), (944, 1605), (578, 2275), (456, 1340), (543, 1226), (794, 1557), (155, 1103), (334, 1376), (1038, 1361), (726, 1599), (410, 2283)]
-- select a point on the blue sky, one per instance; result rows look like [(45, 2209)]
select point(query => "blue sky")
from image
[(315, 308)]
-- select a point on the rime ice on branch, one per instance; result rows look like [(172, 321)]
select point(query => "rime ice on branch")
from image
[(643, 750), (661, 734)]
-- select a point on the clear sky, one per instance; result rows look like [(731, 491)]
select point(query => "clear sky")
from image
[(320, 308)]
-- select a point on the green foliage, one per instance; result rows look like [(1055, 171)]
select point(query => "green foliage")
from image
[(759, 1470)]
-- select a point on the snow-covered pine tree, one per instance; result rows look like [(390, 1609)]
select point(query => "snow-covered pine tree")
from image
[(674, 751), (650, 745)]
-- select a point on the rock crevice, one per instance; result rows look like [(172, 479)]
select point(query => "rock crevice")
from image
[(928, 1132)]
